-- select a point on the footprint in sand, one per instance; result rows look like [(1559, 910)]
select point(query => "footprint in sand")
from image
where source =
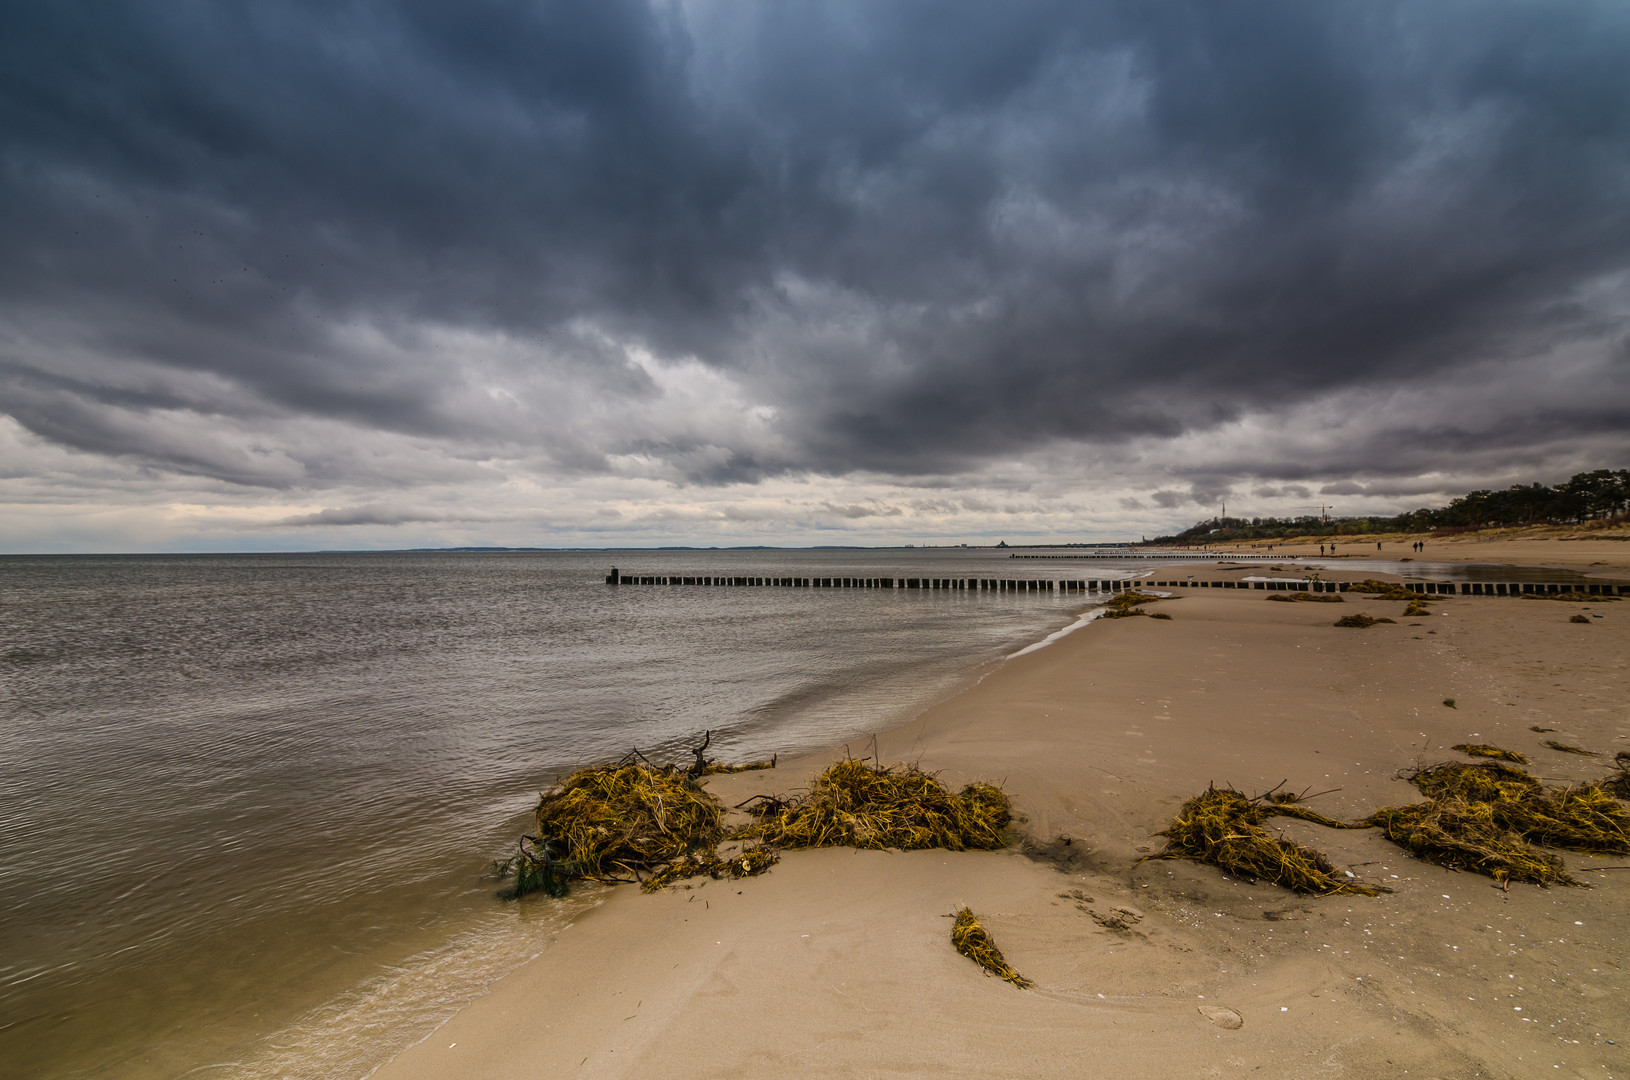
[(1223, 1018)]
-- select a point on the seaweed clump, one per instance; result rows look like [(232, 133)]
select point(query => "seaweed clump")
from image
[(1307, 597), (974, 941), (1580, 619), (1360, 621), (1224, 828), (854, 804), (1463, 835), (1580, 817), (1126, 604), (611, 823), (1383, 590), (1489, 750), (1486, 816)]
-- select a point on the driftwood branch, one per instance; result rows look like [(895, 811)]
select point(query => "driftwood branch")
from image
[(700, 767)]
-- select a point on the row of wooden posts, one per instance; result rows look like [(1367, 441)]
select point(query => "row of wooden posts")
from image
[(1463, 588)]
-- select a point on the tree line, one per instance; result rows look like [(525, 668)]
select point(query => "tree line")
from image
[(1587, 496)]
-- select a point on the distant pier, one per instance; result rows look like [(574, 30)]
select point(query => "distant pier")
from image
[(1110, 585)]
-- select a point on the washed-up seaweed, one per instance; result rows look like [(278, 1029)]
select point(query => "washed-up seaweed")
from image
[(1225, 828), (1478, 781), (1463, 835), (1570, 597), (749, 863), (1567, 749), (1384, 590), (613, 823), (973, 941), (857, 804), (1360, 621), (1289, 804), (1127, 604), (1489, 750), (1579, 817), (713, 768), (1486, 816), (1307, 597)]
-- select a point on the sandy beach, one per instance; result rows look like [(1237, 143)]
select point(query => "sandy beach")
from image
[(838, 962)]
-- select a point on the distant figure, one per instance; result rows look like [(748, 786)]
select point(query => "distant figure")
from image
[(1378, 545), (1321, 549)]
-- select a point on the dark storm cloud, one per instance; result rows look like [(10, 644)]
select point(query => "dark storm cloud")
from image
[(926, 235)]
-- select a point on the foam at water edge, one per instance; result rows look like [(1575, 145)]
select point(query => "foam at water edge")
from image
[(1084, 618)]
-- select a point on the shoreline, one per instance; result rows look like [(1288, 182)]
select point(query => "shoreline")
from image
[(839, 960)]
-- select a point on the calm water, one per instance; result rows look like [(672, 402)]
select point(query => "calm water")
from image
[(248, 801)]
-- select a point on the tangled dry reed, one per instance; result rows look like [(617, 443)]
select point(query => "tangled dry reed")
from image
[(1225, 828), (856, 804), (974, 942)]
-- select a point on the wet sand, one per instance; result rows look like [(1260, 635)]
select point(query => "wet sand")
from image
[(838, 962)]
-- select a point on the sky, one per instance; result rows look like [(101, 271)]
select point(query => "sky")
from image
[(284, 275)]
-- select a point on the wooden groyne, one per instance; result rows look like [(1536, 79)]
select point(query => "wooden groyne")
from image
[(1148, 556), (1110, 585)]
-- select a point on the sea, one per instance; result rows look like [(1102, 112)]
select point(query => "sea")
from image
[(250, 804)]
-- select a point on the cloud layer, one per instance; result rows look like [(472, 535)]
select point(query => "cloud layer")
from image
[(613, 271)]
